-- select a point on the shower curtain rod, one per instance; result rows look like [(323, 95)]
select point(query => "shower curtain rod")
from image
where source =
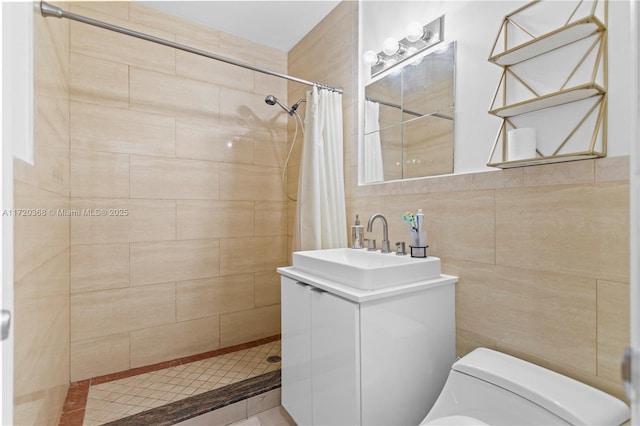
[(49, 10)]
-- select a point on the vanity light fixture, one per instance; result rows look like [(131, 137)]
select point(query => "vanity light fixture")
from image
[(418, 38)]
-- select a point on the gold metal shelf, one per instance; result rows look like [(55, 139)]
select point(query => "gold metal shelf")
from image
[(546, 160), (561, 37), (594, 55), (573, 94)]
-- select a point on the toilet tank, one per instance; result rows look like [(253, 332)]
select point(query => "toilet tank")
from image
[(499, 389)]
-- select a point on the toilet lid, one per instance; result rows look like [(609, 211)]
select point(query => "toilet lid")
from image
[(455, 421)]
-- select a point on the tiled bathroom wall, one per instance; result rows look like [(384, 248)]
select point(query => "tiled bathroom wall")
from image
[(541, 252), (181, 158), (41, 242)]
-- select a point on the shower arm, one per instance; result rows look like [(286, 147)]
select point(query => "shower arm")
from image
[(48, 10)]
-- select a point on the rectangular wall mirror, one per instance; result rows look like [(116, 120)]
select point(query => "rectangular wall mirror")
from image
[(409, 119)]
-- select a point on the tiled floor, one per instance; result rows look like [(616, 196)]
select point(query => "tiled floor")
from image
[(123, 397)]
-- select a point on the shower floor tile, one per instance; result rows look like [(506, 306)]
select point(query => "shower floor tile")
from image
[(124, 397)]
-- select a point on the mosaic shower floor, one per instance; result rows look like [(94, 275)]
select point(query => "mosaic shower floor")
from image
[(127, 396)]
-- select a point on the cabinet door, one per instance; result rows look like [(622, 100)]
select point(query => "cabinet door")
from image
[(335, 343), (296, 350)]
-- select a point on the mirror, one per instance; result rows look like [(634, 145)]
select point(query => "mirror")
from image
[(409, 119)]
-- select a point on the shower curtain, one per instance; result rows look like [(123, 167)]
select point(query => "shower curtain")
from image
[(320, 217), (373, 170)]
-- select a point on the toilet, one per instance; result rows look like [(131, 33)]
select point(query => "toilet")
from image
[(487, 387)]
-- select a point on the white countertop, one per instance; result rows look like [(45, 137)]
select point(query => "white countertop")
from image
[(361, 296)]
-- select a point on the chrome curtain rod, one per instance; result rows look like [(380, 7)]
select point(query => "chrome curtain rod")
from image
[(49, 10)]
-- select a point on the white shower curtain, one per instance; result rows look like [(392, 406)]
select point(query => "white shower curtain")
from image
[(320, 217), (373, 170)]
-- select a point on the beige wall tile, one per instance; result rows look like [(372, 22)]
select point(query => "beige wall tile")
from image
[(242, 255), (111, 46), (248, 109), (241, 182), (612, 169), (507, 178), (215, 72), (51, 278), (291, 177), (199, 219), (99, 174), (272, 147), (157, 262), (50, 56), (101, 128), (460, 225), (142, 220), (269, 84), (151, 17), (613, 327), (365, 207), (118, 9), (543, 314), (99, 267), (97, 357), (53, 321), (101, 313), (574, 229), (51, 147), (98, 81), (559, 173), (250, 51), (173, 178), (51, 125), (204, 140), (174, 341), (51, 172), (37, 238), (173, 95), (213, 296), (467, 341), (270, 218), (267, 290), (246, 326)]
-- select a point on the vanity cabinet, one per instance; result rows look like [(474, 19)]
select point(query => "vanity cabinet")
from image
[(356, 357)]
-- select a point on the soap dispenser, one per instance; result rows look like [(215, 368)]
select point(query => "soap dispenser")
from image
[(357, 234)]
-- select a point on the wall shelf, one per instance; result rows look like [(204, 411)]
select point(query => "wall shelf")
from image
[(553, 40), (550, 100), (560, 142)]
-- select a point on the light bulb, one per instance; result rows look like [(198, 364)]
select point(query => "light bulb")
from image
[(390, 46), (370, 57), (414, 31)]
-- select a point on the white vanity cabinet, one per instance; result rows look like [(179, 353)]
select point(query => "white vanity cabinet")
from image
[(319, 343), (358, 357)]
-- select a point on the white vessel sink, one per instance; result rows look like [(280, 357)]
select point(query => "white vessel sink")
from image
[(364, 269)]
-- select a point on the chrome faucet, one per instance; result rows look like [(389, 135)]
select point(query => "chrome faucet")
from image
[(385, 231)]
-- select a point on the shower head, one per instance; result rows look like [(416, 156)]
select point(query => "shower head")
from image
[(272, 100)]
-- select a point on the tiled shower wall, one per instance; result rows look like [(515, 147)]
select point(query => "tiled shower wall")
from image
[(181, 158), (541, 252), (41, 243)]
